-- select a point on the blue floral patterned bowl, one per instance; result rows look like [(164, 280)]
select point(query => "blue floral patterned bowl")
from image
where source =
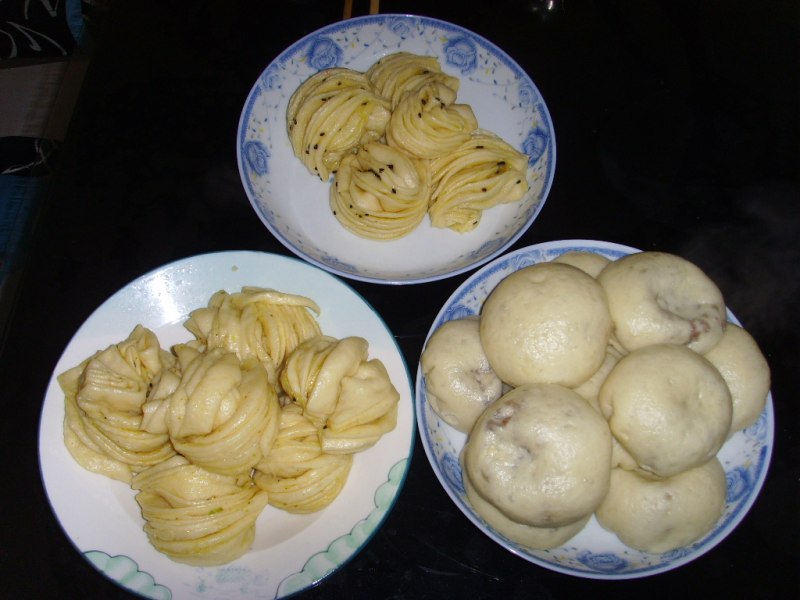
[(293, 204), (594, 552)]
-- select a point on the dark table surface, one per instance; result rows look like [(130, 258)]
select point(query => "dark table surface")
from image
[(677, 127)]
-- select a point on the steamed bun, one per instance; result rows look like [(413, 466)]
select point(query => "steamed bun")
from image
[(541, 455), (546, 323), (668, 407), (659, 515), (459, 381)]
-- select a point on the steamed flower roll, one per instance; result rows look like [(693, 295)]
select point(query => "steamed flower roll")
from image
[(331, 114), (104, 396), (223, 414), (195, 516), (256, 322)]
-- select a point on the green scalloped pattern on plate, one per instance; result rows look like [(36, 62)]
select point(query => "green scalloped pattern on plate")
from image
[(341, 549), (125, 571)]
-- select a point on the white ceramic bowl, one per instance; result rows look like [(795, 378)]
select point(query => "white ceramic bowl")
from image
[(293, 204), (594, 552)]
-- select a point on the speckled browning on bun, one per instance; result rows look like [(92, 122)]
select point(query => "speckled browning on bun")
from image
[(655, 298), (668, 406), (541, 455), (459, 381), (540, 538), (740, 361), (659, 515), (546, 323)]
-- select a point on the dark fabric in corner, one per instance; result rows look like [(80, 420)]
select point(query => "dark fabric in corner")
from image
[(39, 29)]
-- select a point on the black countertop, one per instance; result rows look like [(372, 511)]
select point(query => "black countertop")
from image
[(678, 129)]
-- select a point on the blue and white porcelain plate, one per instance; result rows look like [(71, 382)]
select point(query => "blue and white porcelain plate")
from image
[(293, 204), (290, 552), (594, 552)]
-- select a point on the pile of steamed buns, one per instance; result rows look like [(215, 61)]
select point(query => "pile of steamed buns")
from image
[(596, 387)]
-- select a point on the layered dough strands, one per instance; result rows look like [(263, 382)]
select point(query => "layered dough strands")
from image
[(395, 74), (207, 434), (222, 413), (482, 172), (256, 322), (427, 123), (330, 115), (381, 192), (426, 154), (104, 399), (348, 397), (195, 516), (299, 476)]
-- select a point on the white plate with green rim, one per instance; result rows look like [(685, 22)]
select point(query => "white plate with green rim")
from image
[(290, 552)]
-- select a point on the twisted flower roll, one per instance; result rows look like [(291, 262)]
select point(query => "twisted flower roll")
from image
[(381, 192), (314, 372), (207, 436), (104, 396), (195, 516), (297, 475), (258, 322), (155, 410), (366, 409), (427, 124), (349, 398), (221, 411), (332, 113), (395, 74), (482, 172), (406, 103)]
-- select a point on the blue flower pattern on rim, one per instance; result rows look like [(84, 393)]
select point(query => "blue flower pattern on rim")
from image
[(460, 53), (400, 26), (739, 483), (458, 311), (257, 157), (605, 562), (678, 553), (758, 430), (323, 53), (270, 79), (527, 94), (348, 44), (452, 471), (535, 144), (743, 481)]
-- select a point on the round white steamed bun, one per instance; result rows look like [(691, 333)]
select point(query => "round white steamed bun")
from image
[(540, 538), (656, 297), (546, 323), (459, 381), (740, 361), (659, 515), (668, 406), (541, 455), (590, 263)]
